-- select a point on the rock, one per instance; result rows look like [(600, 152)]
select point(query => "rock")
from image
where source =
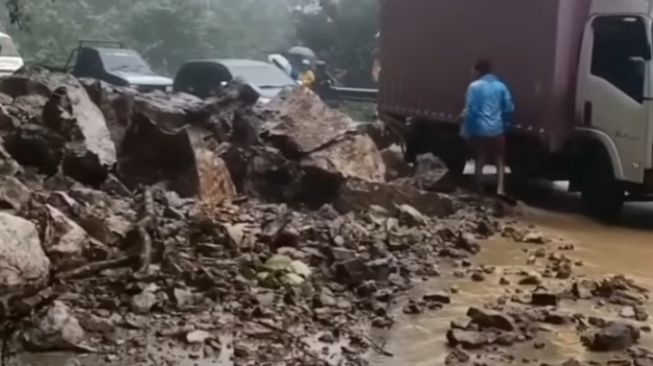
[(305, 124), (358, 195), (543, 298), (342, 254), (183, 297), (57, 330), (151, 155), (468, 242), (504, 281), (395, 165), (412, 308), (65, 241), (583, 289), (531, 279), (35, 146), (215, 184), (478, 276), (627, 312), (353, 271), (143, 302), (614, 337), (461, 323), (491, 319), (197, 337), (441, 297), (354, 156), (572, 362), (467, 339), (534, 237), (69, 112), (22, 259), (13, 193), (410, 216), (457, 358), (432, 175)]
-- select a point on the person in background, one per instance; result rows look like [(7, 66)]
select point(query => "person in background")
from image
[(307, 76), (488, 110)]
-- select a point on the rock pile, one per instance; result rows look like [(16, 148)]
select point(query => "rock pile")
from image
[(133, 224)]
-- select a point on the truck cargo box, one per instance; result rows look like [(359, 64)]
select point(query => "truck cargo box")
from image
[(428, 48)]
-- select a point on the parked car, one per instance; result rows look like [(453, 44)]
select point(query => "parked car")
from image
[(204, 78), (115, 64), (10, 59)]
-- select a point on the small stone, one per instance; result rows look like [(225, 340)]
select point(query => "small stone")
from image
[(539, 345), (342, 254), (478, 276), (466, 339), (412, 309), (441, 297), (531, 260), (540, 253), (645, 328), (183, 297), (504, 281), (461, 323), (143, 302), (459, 274), (454, 289), (197, 336), (583, 289), (532, 279), (327, 338), (491, 319), (627, 312), (534, 237)]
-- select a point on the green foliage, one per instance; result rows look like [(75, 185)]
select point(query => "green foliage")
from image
[(346, 40), (168, 32)]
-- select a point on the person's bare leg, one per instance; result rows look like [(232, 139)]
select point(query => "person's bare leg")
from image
[(479, 164), (501, 175)]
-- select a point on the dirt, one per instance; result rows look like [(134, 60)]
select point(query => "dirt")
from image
[(421, 340)]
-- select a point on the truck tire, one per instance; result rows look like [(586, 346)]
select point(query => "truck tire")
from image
[(603, 195)]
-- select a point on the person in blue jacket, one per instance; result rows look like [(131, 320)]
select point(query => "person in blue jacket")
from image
[(488, 110)]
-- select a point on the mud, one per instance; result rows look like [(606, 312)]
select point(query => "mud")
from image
[(623, 248)]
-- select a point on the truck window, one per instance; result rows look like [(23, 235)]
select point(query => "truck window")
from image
[(620, 46)]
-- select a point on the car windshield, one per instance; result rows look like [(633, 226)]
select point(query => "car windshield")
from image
[(124, 60), (262, 76), (8, 48)]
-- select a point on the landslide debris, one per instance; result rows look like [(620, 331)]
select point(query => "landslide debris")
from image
[(137, 223)]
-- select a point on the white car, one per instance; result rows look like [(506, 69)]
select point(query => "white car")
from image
[(10, 59)]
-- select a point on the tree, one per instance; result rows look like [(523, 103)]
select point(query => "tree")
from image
[(166, 32), (343, 37)]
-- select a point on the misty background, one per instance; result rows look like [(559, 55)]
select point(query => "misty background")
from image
[(169, 32)]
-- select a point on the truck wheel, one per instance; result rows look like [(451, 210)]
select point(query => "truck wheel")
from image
[(603, 195)]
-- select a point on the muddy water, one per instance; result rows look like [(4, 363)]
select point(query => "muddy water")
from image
[(626, 248)]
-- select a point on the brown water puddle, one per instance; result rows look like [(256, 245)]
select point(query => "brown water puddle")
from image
[(420, 340)]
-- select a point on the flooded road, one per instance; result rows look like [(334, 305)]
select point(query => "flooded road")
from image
[(624, 248)]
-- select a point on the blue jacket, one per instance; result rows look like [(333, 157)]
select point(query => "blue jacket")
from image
[(489, 108)]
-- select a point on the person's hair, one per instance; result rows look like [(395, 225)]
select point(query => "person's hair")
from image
[(483, 66)]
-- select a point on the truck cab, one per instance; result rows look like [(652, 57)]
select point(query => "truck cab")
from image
[(614, 104), (113, 63)]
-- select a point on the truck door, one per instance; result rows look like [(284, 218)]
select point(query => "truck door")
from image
[(614, 89)]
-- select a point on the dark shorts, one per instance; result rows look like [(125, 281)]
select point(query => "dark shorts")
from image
[(489, 147)]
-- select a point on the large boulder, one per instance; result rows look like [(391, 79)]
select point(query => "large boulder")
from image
[(304, 124), (354, 156), (69, 114), (22, 259)]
